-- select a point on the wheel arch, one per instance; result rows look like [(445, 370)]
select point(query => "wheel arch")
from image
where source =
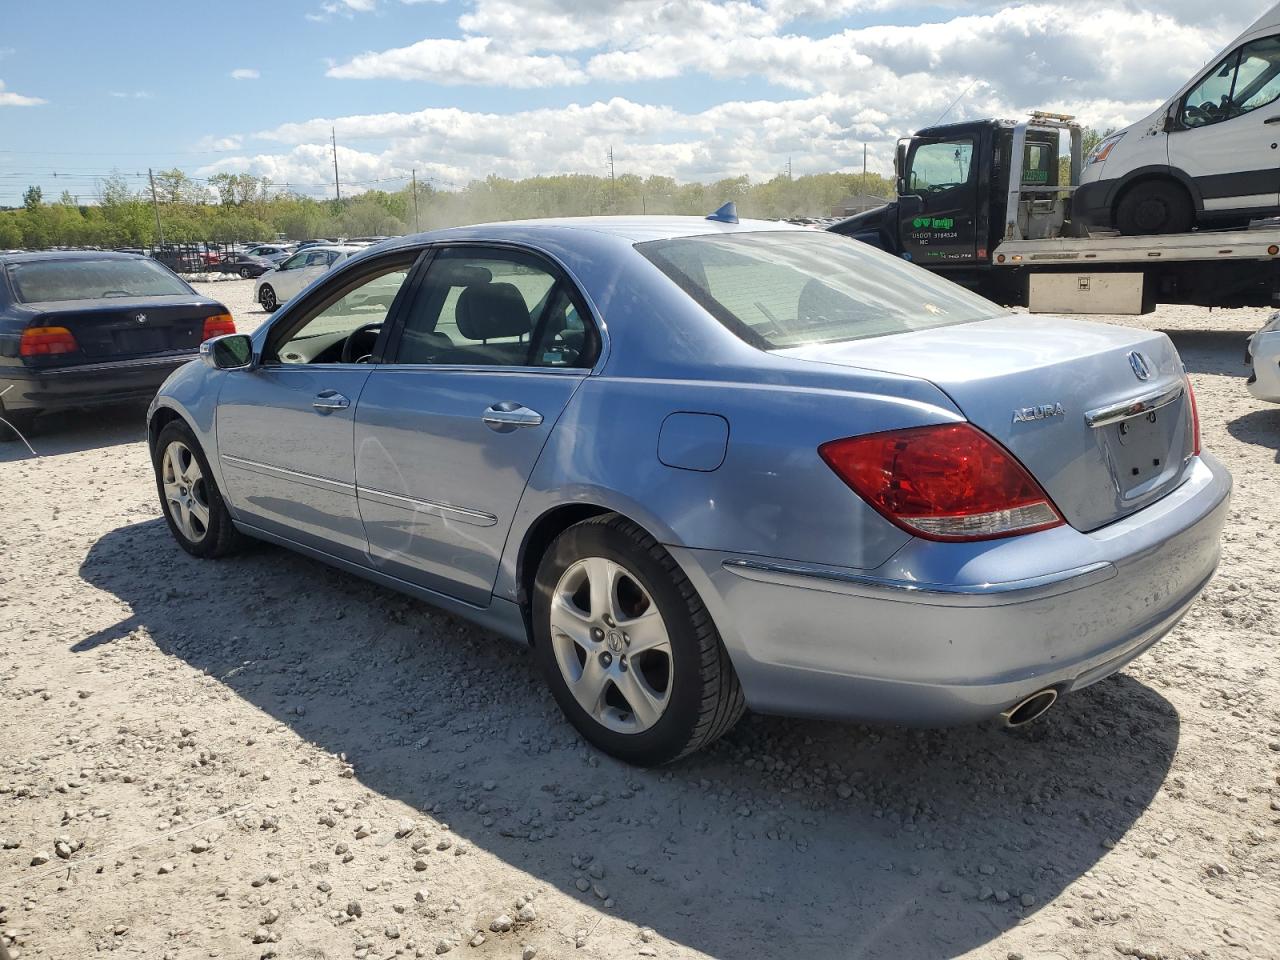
[(537, 539), (1148, 174)]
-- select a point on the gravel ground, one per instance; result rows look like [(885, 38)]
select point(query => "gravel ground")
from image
[(265, 757)]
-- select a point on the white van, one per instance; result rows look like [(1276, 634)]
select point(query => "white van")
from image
[(1209, 156)]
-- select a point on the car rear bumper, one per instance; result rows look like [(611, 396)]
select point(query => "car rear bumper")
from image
[(86, 385), (1264, 355), (953, 633)]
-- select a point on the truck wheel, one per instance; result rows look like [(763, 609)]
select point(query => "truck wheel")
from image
[(1155, 206)]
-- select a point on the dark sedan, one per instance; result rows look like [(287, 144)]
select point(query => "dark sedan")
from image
[(88, 329), (244, 265)]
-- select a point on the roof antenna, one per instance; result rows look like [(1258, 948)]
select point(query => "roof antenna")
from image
[(953, 103), (726, 214)]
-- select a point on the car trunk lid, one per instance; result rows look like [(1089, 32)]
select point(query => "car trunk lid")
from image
[(127, 328), (1099, 414)]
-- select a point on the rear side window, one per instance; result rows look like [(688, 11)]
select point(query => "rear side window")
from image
[(41, 281), (485, 307), (788, 289)]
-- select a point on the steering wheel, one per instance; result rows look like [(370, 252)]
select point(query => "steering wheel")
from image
[(358, 347)]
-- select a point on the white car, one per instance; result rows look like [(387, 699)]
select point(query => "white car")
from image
[(1207, 156), (276, 286), (1264, 354)]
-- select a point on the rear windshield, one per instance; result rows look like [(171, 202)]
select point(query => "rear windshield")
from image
[(790, 288), (40, 281)]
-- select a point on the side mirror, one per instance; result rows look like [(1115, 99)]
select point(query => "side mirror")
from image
[(909, 204), (232, 351)]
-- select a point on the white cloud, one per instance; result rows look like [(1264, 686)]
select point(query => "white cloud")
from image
[(832, 87), (245, 73), (10, 99), (475, 60), (136, 95)]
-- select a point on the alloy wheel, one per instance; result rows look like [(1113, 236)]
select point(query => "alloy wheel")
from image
[(185, 491), (268, 299), (611, 645)]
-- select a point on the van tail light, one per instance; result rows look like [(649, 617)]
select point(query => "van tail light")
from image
[(217, 325), (945, 482), (47, 342), (1195, 419)]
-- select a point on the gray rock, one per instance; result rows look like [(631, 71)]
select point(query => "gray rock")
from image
[(392, 932), (443, 946), (501, 924), (527, 914), (40, 858)]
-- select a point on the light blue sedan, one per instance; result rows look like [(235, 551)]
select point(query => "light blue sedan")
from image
[(703, 465)]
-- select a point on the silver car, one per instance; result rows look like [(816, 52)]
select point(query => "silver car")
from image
[(701, 466)]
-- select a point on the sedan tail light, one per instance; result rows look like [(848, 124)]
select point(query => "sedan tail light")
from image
[(1195, 420), (944, 482), (218, 325), (47, 342)]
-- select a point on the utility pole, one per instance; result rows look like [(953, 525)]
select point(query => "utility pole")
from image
[(417, 228), (864, 168), (333, 136), (613, 191), (788, 168), (155, 204)]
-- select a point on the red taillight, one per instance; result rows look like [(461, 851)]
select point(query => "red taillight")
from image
[(47, 342), (945, 482), (218, 325), (1195, 420)]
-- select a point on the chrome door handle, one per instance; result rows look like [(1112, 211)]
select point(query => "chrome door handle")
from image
[(326, 401), (508, 415)]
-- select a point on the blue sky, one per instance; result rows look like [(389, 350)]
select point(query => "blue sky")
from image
[(695, 89)]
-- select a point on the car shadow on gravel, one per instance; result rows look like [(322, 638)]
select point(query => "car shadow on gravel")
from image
[(1218, 352), (787, 839), (1261, 428), (73, 431)]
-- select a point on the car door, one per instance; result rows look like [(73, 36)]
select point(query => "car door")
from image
[(285, 426), (943, 229), (1227, 134), (483, 363)]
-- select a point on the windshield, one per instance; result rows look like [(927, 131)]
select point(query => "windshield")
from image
[(41, 281), (796, 287)]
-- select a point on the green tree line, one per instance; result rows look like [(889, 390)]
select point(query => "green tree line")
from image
[(241, 207)]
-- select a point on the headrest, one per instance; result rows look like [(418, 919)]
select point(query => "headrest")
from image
[(492, 310)]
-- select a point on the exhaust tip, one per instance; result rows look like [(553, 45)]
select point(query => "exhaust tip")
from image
[(1032, 708)]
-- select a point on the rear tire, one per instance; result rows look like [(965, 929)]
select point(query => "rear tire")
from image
[(692, 695), (245, 273), (267, 298), (19, 421), (189, 497), (1153, 207)]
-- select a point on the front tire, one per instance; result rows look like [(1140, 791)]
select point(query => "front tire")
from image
[(627, 647), (189, 497), (1153, 207), (267, 298)]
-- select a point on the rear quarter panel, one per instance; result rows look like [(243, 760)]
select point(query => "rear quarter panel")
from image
[(772, 496)]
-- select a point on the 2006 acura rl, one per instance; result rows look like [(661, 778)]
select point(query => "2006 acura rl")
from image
[(705, 465)]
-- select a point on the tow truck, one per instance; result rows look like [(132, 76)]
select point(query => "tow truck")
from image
[(961, 213)]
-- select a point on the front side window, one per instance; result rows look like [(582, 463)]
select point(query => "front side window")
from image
[(1246, 79), (792, 288), (345, 329), (495, 308), (41, 281), (940, 165), (295, 262)]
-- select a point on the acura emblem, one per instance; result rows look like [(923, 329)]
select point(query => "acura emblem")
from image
[(141, 318), (1141, 368)]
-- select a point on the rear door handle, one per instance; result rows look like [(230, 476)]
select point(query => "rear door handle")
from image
[(326, 401), (1272, 120), (508, 415)]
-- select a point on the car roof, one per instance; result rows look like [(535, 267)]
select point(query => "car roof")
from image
[(340, 247), (628, 229), (32, 255)]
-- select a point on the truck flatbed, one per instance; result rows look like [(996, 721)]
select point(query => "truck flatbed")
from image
[(1199, 245)]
